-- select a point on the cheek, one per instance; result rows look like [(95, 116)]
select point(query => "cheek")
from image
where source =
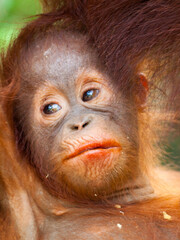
[(41, 142)]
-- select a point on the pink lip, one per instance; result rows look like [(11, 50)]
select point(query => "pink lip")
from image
[(108, 144)]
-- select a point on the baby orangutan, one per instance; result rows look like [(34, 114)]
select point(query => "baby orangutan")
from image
[(83, 136)]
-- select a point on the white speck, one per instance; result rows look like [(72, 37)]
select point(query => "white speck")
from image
[(47, 52), (117, 206), (95, 195), (166, 216), (119, 226), (47, 175), (121, 212)]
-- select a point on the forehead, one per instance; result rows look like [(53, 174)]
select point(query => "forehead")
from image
[(60, 60)]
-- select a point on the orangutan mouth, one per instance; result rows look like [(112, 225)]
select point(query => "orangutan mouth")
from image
[(92, 146)]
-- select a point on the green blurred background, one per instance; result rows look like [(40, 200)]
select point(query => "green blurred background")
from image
[(14, 13)]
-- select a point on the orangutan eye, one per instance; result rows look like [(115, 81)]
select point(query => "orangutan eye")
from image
[(51, 108), (90, 94)]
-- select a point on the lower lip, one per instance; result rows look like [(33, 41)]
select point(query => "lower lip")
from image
[(95, 155)]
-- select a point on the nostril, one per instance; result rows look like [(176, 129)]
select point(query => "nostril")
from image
[(80, 126), (74, 127), (85, 124)]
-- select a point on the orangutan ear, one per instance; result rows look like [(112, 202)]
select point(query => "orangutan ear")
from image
[(142, 91)]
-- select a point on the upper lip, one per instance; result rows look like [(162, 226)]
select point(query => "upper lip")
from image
[(92, 146)]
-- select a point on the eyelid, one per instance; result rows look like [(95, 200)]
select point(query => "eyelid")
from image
[(89, 86), (96, 81), (49, 102)]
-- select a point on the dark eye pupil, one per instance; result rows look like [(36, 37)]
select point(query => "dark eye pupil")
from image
[(51, 108), (90, 94)]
